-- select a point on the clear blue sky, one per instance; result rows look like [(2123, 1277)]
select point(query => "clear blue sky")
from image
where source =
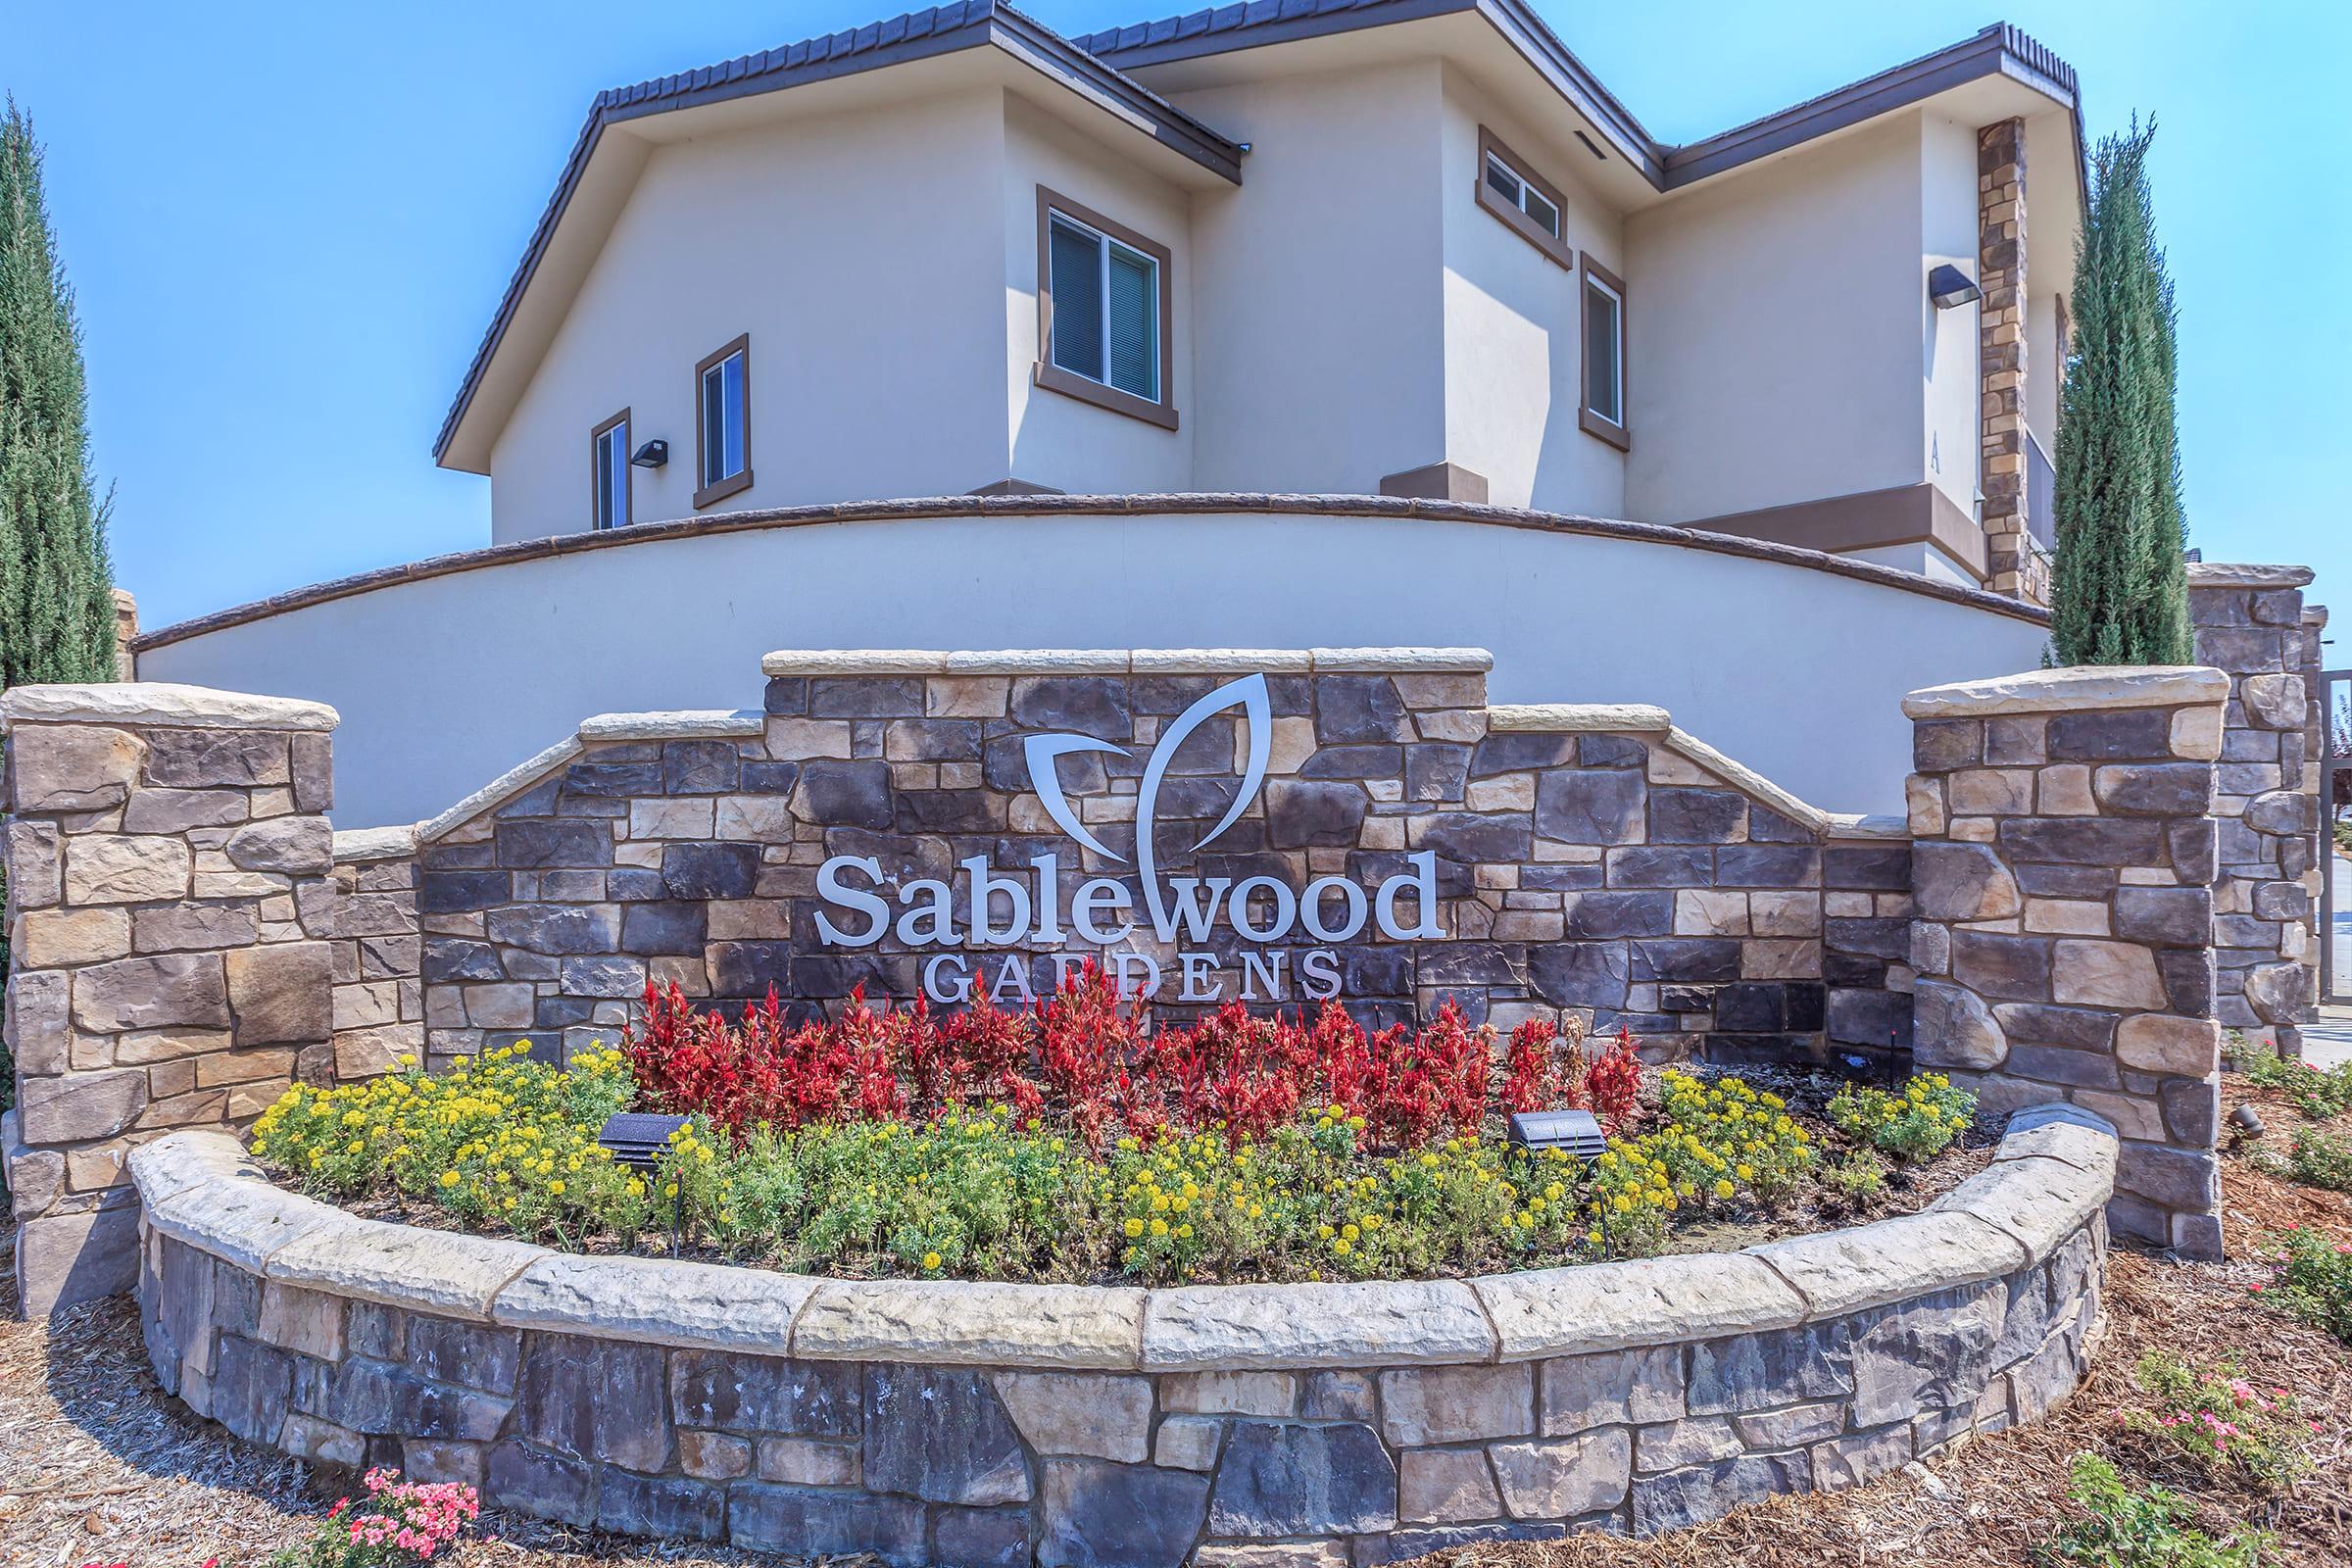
[(288, 225)]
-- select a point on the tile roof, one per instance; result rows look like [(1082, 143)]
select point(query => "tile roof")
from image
[(939, 30)]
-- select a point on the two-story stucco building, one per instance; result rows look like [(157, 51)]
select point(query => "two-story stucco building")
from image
[(1403, 247), (1318, 322)]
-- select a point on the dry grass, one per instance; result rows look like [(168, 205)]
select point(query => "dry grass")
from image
[(97, 1466)]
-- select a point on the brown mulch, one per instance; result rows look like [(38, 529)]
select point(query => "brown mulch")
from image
[(97, 1466)]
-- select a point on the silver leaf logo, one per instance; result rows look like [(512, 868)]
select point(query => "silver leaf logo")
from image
[(1044, 753)]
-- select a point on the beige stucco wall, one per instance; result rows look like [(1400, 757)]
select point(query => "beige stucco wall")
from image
[(1949, 380), (1773, 313), (1058, 440), (1514, 322), (1320, 316), (815, 238)]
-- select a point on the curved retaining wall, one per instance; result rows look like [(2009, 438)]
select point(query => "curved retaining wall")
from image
[(449, 671), (1081, 1426)]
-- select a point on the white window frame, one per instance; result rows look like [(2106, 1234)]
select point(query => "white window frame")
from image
[(611, 437), (707, 488), (1524, 190), (1104, 245), (1612, 428)]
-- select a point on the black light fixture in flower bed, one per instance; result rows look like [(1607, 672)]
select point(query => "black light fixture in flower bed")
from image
[(1577, 1132), (638, 1140)]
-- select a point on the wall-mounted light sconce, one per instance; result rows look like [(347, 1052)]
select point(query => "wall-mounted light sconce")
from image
[(1949, 289), (652, 455)]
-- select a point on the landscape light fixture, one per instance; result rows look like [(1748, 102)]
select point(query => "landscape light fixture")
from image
[(1575, 1131), (652, 455), (638, 1141), (1949, 288)]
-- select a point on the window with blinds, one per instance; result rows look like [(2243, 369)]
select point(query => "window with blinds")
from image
[(1106, 322)]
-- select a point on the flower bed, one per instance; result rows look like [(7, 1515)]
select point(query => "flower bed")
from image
[(1072, 1143)]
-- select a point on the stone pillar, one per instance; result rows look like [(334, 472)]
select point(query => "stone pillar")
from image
[(167, 857), (2017, 567), (2062, 862), (2250, 621), (126, 632)]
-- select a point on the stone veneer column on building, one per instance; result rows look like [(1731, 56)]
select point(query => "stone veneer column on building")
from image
[(2017, 567), (2063, 857), (2251, 621), (168, 893)]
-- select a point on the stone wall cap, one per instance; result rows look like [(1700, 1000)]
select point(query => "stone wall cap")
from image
[(1270, 1326), (973, 1322), (1745, 779), (855, 661), (513, 782), (714, 1307), (1403, 660), (1634, 718), (1040, 662), (2083, 1139), (1892, 1260), (245, 1222), (1220, 660), (1654, 1300), (1865, 826), (357, 844), (676, 724), (2088, 686), (2038, 1199), (445, 1272), (2242, 574), (177, 1161), (164, 703), (1124, 661)]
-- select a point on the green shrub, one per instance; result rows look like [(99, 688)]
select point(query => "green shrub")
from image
[(2315, 1094), (2133, 1529), (2215, 1421), (1918, 1123), (2311, 1277), (1861, 1176), (2320, 1158)]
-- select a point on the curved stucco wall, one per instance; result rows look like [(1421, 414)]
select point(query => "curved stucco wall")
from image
[(444, 681), (1104, 1427)]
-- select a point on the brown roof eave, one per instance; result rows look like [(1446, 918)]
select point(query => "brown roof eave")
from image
[(917, 35)]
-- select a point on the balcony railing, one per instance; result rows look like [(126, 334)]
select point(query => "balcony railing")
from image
[(2041, 494)]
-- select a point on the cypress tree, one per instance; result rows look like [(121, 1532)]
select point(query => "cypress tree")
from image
[(2120, 585), (57, 606), (57, 610)]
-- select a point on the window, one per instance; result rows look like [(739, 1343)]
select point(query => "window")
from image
[(1103, 303), (1603, 413), (610, 473), (723, 412), (1529, 204)]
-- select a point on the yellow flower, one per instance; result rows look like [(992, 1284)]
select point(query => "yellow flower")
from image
[(931, 1260), (449, 1178), (1134, 1228)]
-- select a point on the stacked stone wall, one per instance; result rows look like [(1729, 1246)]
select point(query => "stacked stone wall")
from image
[(169, 916), (1589, 860), (944, 1423), (2252, 621), (2064, 852)]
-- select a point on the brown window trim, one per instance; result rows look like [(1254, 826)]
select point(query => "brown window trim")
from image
[(705, 495), (1617, 435), (1527, 228), (595, 475), (1053, 377)]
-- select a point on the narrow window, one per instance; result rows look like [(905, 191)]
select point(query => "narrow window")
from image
[(1526, 204), (608, 484), (1603, 413), (722, 422), (1103, 312)]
